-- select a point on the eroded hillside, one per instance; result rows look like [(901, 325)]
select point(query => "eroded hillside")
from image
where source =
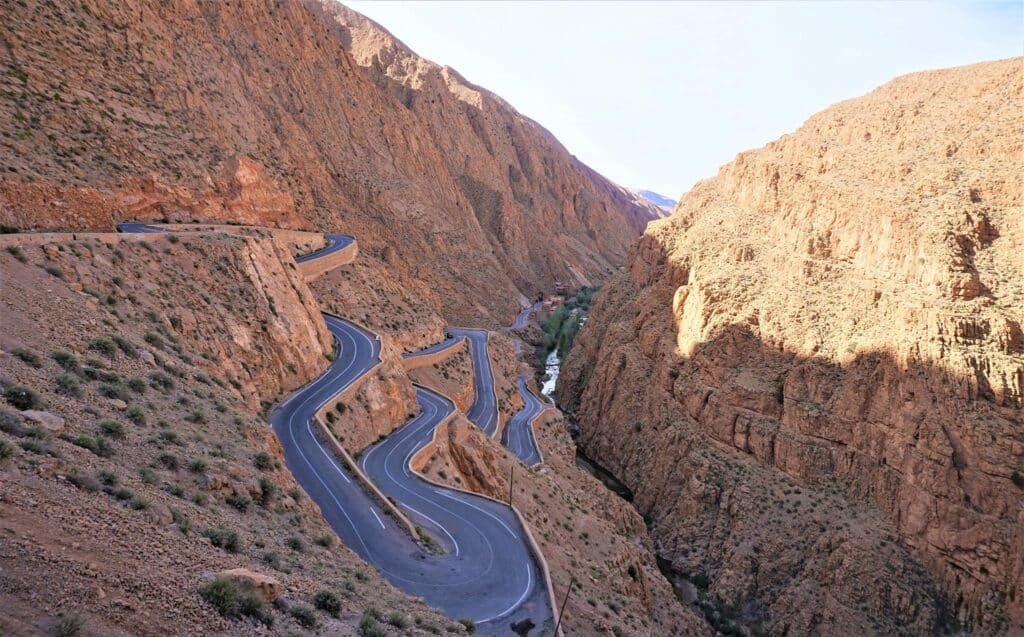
[(825, 362), (257, 112)]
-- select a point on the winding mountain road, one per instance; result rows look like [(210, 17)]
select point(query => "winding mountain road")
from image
[(484, 410), (486, 572), (451, 341), (518, 433), (481, 565)]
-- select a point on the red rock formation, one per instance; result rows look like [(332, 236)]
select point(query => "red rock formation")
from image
[(840, 310), (146, 103)]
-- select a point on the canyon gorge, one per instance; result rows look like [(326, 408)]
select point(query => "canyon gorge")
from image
[(823, 352), (805, 381)]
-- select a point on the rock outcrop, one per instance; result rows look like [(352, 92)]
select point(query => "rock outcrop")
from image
[(283, 114), (833, 324)]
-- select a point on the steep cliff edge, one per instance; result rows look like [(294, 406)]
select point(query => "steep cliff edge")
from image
[(833, 325), (256, 112)]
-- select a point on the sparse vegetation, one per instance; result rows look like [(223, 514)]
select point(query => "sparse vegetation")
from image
[(263, 461), (104, 345), (69, 624), (17, 253), (304, 615), (23, 398), (328, 602), (6, 449), (98, 445), (67, 361), (227, 597), (112, 428), (296, 544), (223, 538), (27, 356), (239, 501), (136, 415), (68, 384)]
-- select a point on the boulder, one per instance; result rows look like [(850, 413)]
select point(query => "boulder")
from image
[(50, 422), (265, 586)]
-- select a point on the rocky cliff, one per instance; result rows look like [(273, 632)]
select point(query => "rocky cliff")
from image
[(289, 114), (824, 360)]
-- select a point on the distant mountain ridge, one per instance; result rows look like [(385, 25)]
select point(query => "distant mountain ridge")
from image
[(660, 201)]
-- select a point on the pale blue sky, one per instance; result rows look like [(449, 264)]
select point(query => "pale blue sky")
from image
[(659, 94)]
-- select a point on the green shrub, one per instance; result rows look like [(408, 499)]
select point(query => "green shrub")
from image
[(197, 416), (136, 415), (153, 339), (112, 428), (296, 544), (109, 478), (23, 398), (17, 253), (99, 446), (104, 345), (139, 503), (267, 491), (399, 620), (54, 270), (469, 624), (125, 345), (147, 475), (6, 449), (68, 384), (227, 597), (34, 445), (239, 501), (304, 616), (161, 381), (368, 626), (114, 390), (263, 461), (328, 602), (223, 538), (67, 361), (325, 540), (197, 465), (27, 356), (69, 624), (169, 461), (137, 385)]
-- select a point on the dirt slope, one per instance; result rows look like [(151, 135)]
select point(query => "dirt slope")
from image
[(823, 343)]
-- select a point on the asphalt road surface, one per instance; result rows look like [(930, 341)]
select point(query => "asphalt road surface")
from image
[(335, 242), (484, 410), (518, 434), (486, 570), (139, 227), (438, 347), (524, 316)]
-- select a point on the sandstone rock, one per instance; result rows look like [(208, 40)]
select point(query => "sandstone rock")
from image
[(52, 423), (264, 585), (119, 404), (818, 314)]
